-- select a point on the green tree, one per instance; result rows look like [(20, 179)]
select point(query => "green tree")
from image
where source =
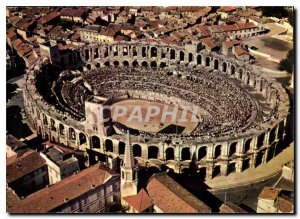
[(287, 63)]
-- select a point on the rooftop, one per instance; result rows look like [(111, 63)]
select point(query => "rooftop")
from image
[(48, 199), (139, 202), (172, 197), (20, 165)]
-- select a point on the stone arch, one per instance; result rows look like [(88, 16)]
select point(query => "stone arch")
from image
[(185, 154), (134, 51), (137, 150), (153, 52), (216, 64), (125, 63), (199, 60), (153, 64), (246, 164), (259, 159), (144, 51), (96, 53), (172, 54), (95, 142), (232, 68), (232, 149), (280, 130), (115, 50), (116, 63), (272, 135), (217, 151), (240, 74), (125, 51), (162, 65), (82, 138), (202, 173), (181, 56), (247, 145), (107, 64), (153, 152), (231, 168), (52, 125), (135, 63), (224, 67), (87, 54), (121, 147), (191, 57), (216, 171), (89, 66), (202, 153), (72, 134), (260, 140), (144, 64), (170, 153), (45, 120), (207, 61), (109, 145)]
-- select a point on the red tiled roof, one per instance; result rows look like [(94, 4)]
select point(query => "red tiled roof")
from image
[(49, 17), (269, 193), (246, 25), (226, 8), (17, 167), (231, 43), (139, 202), (203, 30), (70, 12), (240, 51), (170, 197), (284, 204), (229, 27), (208, 42), (48, 199)]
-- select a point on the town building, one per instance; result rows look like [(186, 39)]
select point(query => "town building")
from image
[(26, 173), (14, 146), (275, 200), (60, 164), (92, 190)]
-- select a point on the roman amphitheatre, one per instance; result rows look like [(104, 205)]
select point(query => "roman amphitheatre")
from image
[(242, 112)]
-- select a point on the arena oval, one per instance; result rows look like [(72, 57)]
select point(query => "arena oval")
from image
[(212, 157)]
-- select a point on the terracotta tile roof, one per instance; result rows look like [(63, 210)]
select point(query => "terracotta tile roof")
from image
[(139, 202), (246, 25), (49, 17), (209, 42), (284, 204), (229, 27), (20, 165), (231, 43), (226, 8), (48, 199), (216, 29), (240, 51), (70, 12), (203, 30), (269, 193), (229, 207), (170, 197)]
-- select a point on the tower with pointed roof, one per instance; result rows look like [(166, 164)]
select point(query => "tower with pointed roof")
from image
[(129, 171)]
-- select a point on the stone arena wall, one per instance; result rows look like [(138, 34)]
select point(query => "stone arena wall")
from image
[(213, 156)]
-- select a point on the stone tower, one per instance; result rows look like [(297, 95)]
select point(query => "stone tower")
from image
[(129, 171)]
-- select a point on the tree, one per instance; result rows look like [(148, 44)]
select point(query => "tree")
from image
[(287, 64)]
